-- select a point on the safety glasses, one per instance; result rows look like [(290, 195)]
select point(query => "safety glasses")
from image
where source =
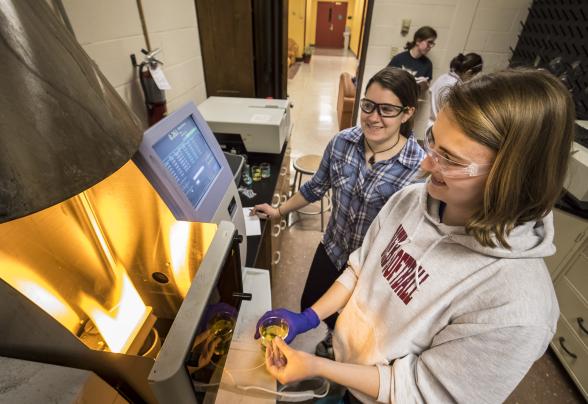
[(450, 168), (385, 110)]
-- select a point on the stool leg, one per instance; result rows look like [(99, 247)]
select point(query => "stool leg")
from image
[(299, 181), (322, 212), (294, 182), (290, 221)]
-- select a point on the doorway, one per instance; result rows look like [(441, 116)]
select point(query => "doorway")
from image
[(330, 24)]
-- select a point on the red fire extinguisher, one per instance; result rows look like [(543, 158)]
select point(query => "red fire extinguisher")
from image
[(154, 96)]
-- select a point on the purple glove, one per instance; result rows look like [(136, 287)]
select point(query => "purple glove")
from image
[(297, 322)]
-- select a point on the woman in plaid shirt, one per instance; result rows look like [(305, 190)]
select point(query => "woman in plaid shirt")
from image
[(363, 166)]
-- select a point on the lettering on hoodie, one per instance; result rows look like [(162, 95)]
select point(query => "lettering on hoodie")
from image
[(398, 268)]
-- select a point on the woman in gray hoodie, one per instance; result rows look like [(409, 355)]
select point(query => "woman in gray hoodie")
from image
[(448, 299)]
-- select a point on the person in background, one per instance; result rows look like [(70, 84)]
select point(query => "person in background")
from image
[(363, 166), (461, 69), (414, 59), (449, 299)]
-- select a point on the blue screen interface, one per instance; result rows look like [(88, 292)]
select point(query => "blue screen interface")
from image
[(189, 159)]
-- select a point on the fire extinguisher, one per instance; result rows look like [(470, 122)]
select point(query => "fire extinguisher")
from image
[(154, 96)]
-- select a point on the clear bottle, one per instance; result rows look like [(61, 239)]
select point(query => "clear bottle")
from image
[(265, 170), (246, 175)]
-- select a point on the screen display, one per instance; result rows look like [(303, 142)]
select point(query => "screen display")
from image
[(189, 159)]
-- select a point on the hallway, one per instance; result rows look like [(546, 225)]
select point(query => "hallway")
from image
[(313, 92)]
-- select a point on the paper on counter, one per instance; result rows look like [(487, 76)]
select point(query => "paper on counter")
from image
[(252, 226)]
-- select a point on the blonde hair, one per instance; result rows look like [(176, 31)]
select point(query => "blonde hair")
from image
[(527, 117)]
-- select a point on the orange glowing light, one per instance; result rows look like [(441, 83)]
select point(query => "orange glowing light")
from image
[(120, 325), (39, 291), (179, 243)]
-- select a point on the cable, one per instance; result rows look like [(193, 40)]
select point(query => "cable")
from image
[(296, 395)]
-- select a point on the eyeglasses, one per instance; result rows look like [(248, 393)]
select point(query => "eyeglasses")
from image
[(385, 110), (450, 168)]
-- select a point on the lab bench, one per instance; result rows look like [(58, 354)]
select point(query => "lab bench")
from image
[(263, 251)]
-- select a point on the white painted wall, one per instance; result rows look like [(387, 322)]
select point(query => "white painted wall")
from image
[(172, 27), (488, 27), (110, 30), (495, 28)]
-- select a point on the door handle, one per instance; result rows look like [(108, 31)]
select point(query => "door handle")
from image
[(242, 296), (561, 343), (279, 256), (277, 229), (277, 202), (581, 324)]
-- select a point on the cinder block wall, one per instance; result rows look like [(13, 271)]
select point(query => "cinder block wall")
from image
[(488, 27), (110, 30)]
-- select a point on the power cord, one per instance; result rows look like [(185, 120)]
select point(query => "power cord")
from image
[(291, 396)]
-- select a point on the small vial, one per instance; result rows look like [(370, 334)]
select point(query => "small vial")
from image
[(246, 175), (256, 173), (265, 170)]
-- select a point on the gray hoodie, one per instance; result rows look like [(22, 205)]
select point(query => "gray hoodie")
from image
[(444, 318)]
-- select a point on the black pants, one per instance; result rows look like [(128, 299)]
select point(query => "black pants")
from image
[(349, 398), (321, 276)]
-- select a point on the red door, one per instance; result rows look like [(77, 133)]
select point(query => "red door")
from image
[(330, 24)]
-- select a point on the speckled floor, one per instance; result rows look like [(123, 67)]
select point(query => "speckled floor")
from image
[(313, 91)]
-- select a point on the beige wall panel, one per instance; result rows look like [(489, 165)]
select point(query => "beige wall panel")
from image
[(169, 15), (462, 25), (176, 46), (488, 27), (98, 21), (113, 57), (477, 40), (493, 19), (110, 31), (183, 77), (193, 94), (173, 27)]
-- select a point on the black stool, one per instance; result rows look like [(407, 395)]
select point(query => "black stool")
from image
[(309, 165)]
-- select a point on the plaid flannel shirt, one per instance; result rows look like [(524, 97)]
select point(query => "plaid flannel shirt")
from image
[(358, 192)]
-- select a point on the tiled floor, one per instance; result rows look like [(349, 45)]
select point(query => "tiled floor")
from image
[(313, 91)]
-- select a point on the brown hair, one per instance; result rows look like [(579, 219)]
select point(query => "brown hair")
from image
[(421, 34), (527, 117), (403, 85)]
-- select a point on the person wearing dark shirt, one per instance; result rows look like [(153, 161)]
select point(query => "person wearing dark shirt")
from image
[(414, 58)]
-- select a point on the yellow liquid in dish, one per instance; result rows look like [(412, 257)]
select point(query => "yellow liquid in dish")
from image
[(256, 174), (222, 329), (270, 332)]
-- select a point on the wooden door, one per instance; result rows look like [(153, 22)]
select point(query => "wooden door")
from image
[(330, 24), (226, 40)]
